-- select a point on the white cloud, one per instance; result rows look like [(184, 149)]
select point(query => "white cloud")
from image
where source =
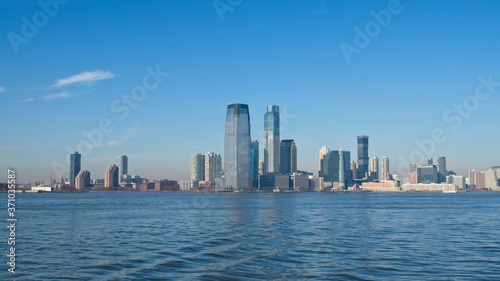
[(2, 89), (112, 143), (27, 100), (61, 95), (85, 76)]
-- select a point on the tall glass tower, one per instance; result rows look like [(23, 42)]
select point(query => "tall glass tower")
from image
[(272, 139), (237, 147), (74, 167), (123, 166), (254, 163), (363, 157), (288, 157)]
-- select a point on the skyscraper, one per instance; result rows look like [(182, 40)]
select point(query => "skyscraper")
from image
[(82, 180), (74, 167), (341, 169), (111, 177), (213, 166), (330, 168), (237, 147), (288, 156), (197, 171), (363, 157), (441, 169), (271, 139), (384, 169), (322, 152), (123, 166), (374, 169), (254, 163)]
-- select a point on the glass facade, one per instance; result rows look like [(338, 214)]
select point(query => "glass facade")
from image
[(237, 147), (363, 157), (74, 167), (271, 139)]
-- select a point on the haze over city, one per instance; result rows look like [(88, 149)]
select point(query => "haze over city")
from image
[(419, 72)]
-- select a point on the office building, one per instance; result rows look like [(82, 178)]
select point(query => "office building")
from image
[(82, 180), (427, 174), (197, 171), (440, 163), (363, 157), (330, 168), (213, 166), (322, 152), (385, 174), (74, 167), (123, 166), (237, 147), (254, 163), (111, 177), (288, 157), (271, 139)]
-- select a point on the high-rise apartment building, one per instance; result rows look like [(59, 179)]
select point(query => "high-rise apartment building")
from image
[(271, 139), (74, 167), (197, 171), (374, 169), (111, 177), (237, 147), (288, 156), (384, 169), (82, 180), (363, 157), (213, 166)]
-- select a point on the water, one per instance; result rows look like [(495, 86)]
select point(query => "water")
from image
[(245, 236)]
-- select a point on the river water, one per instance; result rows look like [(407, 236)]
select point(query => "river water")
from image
[(255, 236)]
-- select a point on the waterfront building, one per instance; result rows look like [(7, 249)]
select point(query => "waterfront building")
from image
[(288, 156), (363, 157), (213, 167), (82, 180), (271, 139), (254, 163), (385, 174), (111, 177), (237, 147), (74, 167), (123, 166), (374, 169), (197, 170), (427, 174)]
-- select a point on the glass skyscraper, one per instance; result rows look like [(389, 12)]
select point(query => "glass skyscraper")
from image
[(123, 166), (74, 167), (254, 163), (272, 139), (363, 157), (288, 157), (237, 147)]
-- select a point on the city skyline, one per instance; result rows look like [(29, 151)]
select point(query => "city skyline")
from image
[(423, 75)]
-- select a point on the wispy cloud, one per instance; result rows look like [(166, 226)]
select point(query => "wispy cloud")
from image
[(85, 76), (2, 89), (27, 100), (61, 95)]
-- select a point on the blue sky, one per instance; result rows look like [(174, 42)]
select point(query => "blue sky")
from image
[(63, 77)]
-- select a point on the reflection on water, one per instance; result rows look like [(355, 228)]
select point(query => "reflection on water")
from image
[(242, 236)]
